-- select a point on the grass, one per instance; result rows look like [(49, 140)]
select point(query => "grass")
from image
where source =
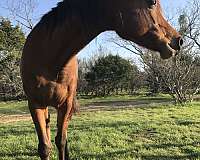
[(20, 107), (149, 133), (13, 108)]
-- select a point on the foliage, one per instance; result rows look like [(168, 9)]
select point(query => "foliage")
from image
[(11, 37), (11, 43), (83, 68), (110, 73)]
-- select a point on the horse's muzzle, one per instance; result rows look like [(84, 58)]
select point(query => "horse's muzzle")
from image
[(176, 43)]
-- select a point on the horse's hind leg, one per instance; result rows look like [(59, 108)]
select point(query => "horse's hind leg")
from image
[(64, 115), (39, 119)]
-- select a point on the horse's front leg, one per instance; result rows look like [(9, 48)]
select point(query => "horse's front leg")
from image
[(64, 115), (39, 117), (47, 119)]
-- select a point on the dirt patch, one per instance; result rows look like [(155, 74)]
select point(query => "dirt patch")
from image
[(14, 118), (112, 105), (95, 106)]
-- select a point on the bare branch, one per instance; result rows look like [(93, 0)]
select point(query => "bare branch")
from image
[(21, 11)]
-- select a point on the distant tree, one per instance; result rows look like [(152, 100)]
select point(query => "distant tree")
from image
[(177, 76), (151, 66), (11, 37), (82, 82), (110, 74), (11, 43)]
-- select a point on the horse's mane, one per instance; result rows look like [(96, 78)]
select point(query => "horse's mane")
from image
[(62, 14), (57, 15)]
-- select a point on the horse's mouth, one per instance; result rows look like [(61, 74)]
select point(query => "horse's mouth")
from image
[(167, 52)]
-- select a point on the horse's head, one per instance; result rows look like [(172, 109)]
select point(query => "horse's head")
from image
[(143, 23)]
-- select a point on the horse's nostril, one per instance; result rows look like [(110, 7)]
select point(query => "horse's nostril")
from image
[(180, 41), (176, 43)]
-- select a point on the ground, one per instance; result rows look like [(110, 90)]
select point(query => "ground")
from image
[(110, 128)]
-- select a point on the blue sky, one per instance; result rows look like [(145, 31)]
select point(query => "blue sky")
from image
[(169, 6)]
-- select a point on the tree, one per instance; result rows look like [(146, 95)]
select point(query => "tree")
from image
[(21, 11), (11, 37), (177, 76), (82, 87), (189, 23), (11, 43), (109, 74)]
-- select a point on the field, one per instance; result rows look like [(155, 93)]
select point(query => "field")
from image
[(110, 129)]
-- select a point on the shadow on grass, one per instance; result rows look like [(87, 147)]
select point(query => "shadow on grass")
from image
[(187, 123), (131, 153), (188, 153), (168, 145), (87, 127), (126, 103), (184, 157), (16, 130), (106, 155), (17, 154)]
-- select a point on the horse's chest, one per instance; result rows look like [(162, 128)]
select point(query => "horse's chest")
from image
[(68, 74), (64, 77), (51, 93), (55, 93)]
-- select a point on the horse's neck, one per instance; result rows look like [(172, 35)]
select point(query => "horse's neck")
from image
[(71, 45), (65, 44)]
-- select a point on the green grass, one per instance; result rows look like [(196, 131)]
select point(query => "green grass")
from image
[(14, 107), (154, 133)]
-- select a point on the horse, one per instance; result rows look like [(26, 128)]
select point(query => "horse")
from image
[(49, 62)]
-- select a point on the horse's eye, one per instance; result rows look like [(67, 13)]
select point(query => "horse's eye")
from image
[(151, 2)]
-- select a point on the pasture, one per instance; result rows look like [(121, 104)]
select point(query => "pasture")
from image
[(146, 129)]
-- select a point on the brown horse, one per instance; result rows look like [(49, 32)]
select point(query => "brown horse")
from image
[(49, 64)]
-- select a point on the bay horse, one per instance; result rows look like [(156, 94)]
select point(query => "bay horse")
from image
[(49, 63)]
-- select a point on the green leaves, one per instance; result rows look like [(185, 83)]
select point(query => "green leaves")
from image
[(109, 73), (11, 38), (11, 44)]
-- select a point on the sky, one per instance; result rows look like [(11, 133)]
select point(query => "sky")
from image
[(170, 7)]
